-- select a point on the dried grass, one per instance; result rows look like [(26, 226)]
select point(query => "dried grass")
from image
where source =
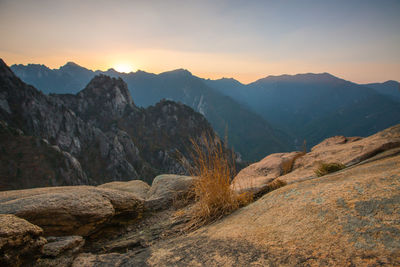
[(213, 195), (287, 166), (325, 168)]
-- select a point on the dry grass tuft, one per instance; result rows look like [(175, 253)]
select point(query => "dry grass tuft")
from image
[(287, 166), (214, 197), (325, 168), (275, 184)]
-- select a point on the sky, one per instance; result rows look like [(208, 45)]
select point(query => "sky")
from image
[(358, 40)]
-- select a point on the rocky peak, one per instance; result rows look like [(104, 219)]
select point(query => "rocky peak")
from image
[(70, 66), (177, 73), (103, 85), (105, 97), (5, 70)]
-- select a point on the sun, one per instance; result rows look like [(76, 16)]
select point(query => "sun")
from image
[(124, 67)]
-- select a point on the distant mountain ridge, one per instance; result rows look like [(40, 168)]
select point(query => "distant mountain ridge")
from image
[(247, 132), (313, 107), (388, 88)]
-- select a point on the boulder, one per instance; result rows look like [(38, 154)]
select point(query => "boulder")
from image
[(70, 210), (348, 218), (165, 189), (20, 241), (137, 187), (59, 245), (346, 150), (256, 176)]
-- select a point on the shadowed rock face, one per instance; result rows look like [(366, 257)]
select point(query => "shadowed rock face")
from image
[(20, 241), (27, 161), (60, 245), (101, 129)]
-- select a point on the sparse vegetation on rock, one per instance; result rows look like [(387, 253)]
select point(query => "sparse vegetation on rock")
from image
[(213, 194), (326, 168)]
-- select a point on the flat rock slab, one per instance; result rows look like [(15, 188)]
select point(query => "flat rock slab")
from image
[(70, 210), (165, 188), (60, 245), (137, 187), (20, 241), (349, 218)]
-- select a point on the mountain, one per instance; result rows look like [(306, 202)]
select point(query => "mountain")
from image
[(389, 88), (100, 128), (313, 107), (248, 133), (70, 78), (229, 87)]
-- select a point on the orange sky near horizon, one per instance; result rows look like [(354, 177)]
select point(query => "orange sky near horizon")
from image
[(245, 40), (249, 71)]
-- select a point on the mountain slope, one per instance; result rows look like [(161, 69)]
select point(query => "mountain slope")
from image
[(28, 161), (315, 106), (360, 119), (70, 78), (229, 87), (388, 88)]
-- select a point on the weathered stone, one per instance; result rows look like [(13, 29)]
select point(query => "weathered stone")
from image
[(165, 188), (348, 218), (345, 150), (75, 210), (124, 203), (257, 175), (20, 241), (335, 140), (137, 187), (59, 245)]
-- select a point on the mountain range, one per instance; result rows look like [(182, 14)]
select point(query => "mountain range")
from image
[(273, 114), (247, 132), (95, 136), (313, 107)]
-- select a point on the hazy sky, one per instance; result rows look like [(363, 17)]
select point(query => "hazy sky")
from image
[(249, 39)]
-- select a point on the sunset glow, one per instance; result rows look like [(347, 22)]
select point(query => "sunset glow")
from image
[(124, 67), (247, 40)]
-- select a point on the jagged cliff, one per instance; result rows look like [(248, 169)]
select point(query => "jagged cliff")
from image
[(101, 128)]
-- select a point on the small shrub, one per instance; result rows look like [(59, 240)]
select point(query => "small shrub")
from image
[(214, 197), (325, 168)]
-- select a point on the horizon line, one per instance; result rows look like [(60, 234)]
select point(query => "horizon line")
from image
[(184, 69)]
